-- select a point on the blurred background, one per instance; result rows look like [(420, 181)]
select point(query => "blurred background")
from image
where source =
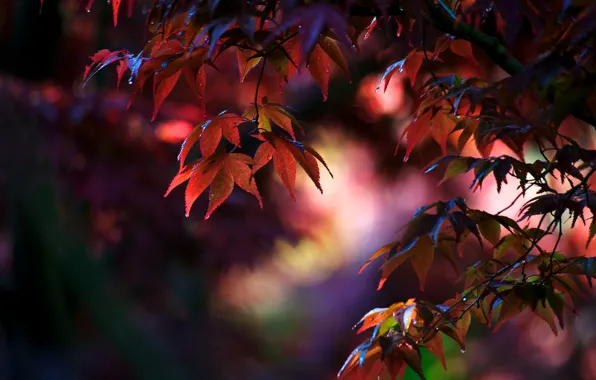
[(103, 278)]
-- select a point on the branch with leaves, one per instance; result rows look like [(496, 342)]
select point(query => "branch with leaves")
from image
[(526, 109)]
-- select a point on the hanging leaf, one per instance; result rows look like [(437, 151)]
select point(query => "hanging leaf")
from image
[(319, 67), (161, 89), (435, 346), (490, 230), (210, 132), (422, 255)]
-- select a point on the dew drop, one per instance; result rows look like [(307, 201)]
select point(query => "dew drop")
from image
[(463, 350), (129, 80), (353, 45), (377, 89), (327, 70), (436, 329), (88, 9), (406, 158), (464, 299)]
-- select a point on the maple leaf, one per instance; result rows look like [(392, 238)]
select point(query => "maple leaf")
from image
[(411, 64), (209, 135), (285, 154), (245, 62), (219, 172), (268, 112), (312, 19), (161, 90), (319, 67)]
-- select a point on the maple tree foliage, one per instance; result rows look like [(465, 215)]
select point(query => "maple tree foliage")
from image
[(529, 106)]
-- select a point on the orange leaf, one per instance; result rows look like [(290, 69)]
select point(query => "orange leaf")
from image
[(441, 127), (201, 176), (310, 166), (318, 65), (210, 138), (263, 155), (412, 65), (221, 188), (229, 126), (188, 143), (244, 63), (422, 255), (285, 166), (236, 164), (280, 117), (415, 132), (161, 89), (182, 176), (392, 264), (312, 151), (384, 249)]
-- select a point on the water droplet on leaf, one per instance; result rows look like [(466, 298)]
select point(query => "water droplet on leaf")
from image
[(463, 350)]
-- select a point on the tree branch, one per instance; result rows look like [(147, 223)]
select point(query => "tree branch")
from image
[(446, 23)]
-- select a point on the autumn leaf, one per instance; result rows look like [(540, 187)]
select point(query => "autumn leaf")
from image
[(415, 132), (441, 127), (463, 48), (161, 89), (411, 65), (221, 188), (319, 67), (209, 134), (115, 9), (379, 252), (490, 230), (200, 178), (333, 50), (272, 112), (422, 255), (285, 154), (285, 165), (435, 346), (219, 171), (245, 63)]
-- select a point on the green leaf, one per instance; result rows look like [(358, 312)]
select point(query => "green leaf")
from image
[(592, 232), (458, 166), (508, 242), (545, 313), (490, 230), (556, 302)]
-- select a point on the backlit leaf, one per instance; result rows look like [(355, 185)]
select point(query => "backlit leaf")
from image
[(435, 346), (490, 230), (319, 67), (161, 89), (200, 178), (422, 255), (221, 188)]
